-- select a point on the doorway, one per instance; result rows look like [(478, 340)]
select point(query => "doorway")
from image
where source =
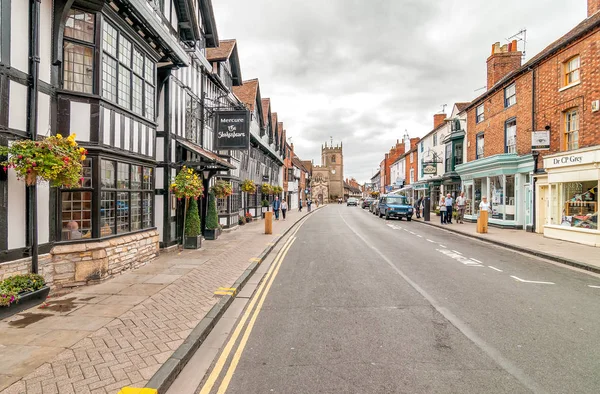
[(543, 205)]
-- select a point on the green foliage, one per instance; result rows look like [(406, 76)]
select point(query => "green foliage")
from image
[(222, 189), (192, 219), (212, 218), (187, 184), (241, 220), (265, 203), (248, 186), (266, 189), (10, 288)]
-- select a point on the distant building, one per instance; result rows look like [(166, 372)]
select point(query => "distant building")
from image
[(328, 178)]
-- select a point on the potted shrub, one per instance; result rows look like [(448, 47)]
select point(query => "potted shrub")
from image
[(212, 219), (53, 159), (241, 220), (188, 185), (248, 217), (222, 189), (21, 292)]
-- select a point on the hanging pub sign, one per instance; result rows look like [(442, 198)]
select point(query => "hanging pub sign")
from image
[(233, 130), (429, 169), (540, 140)]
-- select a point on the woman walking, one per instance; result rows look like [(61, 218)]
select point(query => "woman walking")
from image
[(284, 208), (443, 210)]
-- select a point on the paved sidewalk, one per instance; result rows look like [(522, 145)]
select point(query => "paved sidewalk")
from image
[(578, 255), (101, 338)]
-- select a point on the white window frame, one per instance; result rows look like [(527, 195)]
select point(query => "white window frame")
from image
[(480, 113), (510, 95), (572, 118)]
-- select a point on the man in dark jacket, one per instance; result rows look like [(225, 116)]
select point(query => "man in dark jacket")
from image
[(276, 207)]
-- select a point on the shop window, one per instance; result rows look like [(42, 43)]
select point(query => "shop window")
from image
[(572, 129), (496, 197), (578, 204), (510, 96), (571, 70), (479, 142), (76, 207), (107, 213), (222, 205), (78, 51), (479, 190), (136, 211), (510, 206), (510, 136), (479, 114), (123, 209), (469, 196)]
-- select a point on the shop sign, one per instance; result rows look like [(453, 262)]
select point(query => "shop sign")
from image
[(233, 131), (570, 160), (540, 140), (430, 170)]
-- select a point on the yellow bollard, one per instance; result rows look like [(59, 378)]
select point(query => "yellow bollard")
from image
[(269, 222), (482, 222)]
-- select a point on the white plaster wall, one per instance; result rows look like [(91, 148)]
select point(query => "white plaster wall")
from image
[(172, 105), (160, 111), (17, 106), (16, 211), (160, 149), (151, 140), (144, 136), (117, 130), (19, 30), (127, 132), (159, 181), (43, 203), (158, 215), (136, 131), (45, 39), (106, 129), (80, 121), (43, 121)]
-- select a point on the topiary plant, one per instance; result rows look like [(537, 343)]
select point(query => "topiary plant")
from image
[(212, 218), (192, 220)]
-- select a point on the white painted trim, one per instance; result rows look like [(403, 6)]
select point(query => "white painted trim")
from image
[(17, 106), (117, 130), (43, 203), (80, 121), (16, 220), (569, 86)]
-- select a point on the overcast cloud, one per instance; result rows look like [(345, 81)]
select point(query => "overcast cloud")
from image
[(363, 71)]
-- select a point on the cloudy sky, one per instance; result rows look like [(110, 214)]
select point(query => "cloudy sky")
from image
[(364, 71)]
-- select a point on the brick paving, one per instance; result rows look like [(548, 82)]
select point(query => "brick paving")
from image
[(173, 294)]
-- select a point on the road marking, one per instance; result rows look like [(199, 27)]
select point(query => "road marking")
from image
[(238, 353), (467, 331), (456, 251), (494, 268), (532, 281), (459, 257), (210, 382), (476, 260), (442, 246), (412, 233), (255, 260), (420, 236), (428, 240), (594, 287)]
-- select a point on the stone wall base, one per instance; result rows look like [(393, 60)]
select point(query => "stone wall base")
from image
[(78, 264)]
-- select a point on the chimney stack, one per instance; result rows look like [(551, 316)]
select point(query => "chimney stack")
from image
[(593, 7), (438, 119), (503, 60)]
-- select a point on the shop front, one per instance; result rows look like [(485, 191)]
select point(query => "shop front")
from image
[(567, 205), (505, 181)]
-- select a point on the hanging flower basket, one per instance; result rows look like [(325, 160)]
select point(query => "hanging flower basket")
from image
[(222, 189), (277, 189), (187, 184), (266, 189), (249, 186), (54, 159)]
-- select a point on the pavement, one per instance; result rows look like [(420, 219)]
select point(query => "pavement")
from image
[(577, 255), (364, 305), (100, 338)]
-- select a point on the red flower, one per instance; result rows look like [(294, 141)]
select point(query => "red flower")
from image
[(20, 156), (34, 164), (5, 168)]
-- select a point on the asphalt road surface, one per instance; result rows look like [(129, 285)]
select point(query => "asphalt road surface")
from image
[(363, 305)]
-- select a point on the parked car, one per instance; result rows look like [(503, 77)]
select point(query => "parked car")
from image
[(395, 206), (352, 201), (366, 203)]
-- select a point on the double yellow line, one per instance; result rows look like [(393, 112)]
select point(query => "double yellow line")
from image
[(251, 313)]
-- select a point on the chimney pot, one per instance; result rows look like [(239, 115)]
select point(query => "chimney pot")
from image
[(514, 45), (503, 61)]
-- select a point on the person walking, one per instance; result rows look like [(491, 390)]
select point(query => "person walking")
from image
[(276, 207), (284, 208), (443, 210), (449, 204), (461, 203), (418, 207), (308, 204), (300, 206)]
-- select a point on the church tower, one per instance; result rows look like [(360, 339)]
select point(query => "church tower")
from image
[(332, 158)]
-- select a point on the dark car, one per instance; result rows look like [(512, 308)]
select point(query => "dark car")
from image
[(352, 201), (366, 203), (395, 206)]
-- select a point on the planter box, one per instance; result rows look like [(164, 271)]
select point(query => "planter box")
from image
[(211, 235), (26, 301), (192, 242)]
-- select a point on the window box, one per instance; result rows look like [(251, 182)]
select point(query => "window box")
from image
[(26, 301), (192, 242), (211, 235)]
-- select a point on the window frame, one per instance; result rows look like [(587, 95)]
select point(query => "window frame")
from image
[(480, 117), (567, 132), (479, 137), (567, 72), (435, 139), (5, 12), (93, 45), (506, 146), (512, 97), (81, 188)]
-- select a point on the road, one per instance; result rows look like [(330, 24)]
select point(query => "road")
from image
[(363, 305)]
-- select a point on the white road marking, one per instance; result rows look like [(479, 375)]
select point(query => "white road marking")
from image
[(442, 246), (456, 251), (428, 240), (494, 268), (594, 287), (460, 258), (476, 260), (420, 236), (532, 281), (412, 233)]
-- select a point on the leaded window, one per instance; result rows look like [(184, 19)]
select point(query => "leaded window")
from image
[(78, 51)]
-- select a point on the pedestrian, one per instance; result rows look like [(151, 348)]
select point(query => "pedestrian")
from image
[(308, 204), (443, 210), (276, 207), (461, 203), (73, 228), (300, 206), (418, 207), (449, 204), (284, 208), (484, 205)]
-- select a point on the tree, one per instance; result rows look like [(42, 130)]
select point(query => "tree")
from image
[(192, 220), (212, 219)]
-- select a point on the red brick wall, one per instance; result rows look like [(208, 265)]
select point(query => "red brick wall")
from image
[(500, 64), (414, 165), (593, 7)]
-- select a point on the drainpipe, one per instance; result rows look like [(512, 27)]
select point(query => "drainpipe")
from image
[(32, 110), (535, 154)]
